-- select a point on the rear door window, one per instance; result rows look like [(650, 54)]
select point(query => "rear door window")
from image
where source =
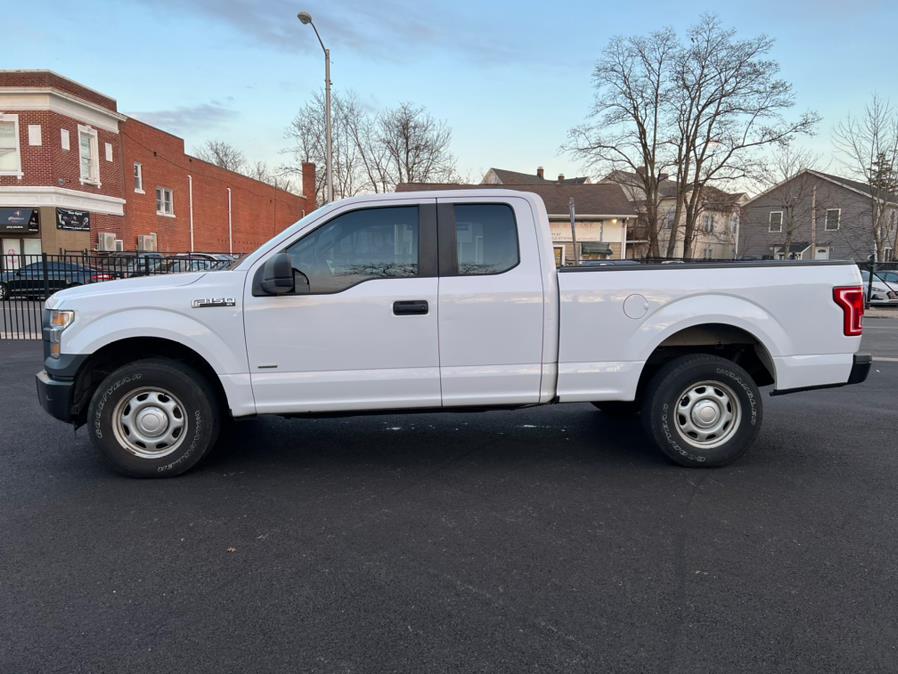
[(486, 237)]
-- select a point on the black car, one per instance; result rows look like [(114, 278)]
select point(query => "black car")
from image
[(34, 280)]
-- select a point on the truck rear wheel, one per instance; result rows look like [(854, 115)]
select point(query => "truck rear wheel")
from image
[(702, 410), (153, 418)]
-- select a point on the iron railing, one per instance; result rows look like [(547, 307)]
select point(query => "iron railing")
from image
[(26, 281)]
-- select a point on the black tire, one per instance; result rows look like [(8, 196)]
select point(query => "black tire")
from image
[(154, 393), (618, 408), (704, 386)]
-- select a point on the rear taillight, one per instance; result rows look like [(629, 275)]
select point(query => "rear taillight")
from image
[(851, 300), (101, 277)]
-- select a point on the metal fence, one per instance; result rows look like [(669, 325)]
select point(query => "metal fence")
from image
[(26, 281)]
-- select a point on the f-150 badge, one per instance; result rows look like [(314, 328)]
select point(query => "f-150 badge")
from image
[(214, 302)]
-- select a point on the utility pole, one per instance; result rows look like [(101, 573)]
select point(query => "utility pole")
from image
[(570, 204), (814, 221)]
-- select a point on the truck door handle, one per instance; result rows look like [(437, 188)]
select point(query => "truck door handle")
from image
[(410, 307)]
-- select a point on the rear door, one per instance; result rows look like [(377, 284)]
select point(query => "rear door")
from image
[(490, 302)]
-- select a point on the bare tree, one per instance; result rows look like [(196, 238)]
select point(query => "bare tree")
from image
[(372, 152), (416, 145), (729, 105), (222, 154), (626, 131), (868, 146)]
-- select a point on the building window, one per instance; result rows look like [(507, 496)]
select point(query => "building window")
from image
[(34, 135), (709, 223), (775, 221), (89, 155), (138, 177), (887, 255), (10, 156), (833, 219), (64, 139), (165, 203)]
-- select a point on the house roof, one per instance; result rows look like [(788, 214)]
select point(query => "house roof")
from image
[(605, 199), (856, 185), (668, 189), (507, 177), (849, 184)]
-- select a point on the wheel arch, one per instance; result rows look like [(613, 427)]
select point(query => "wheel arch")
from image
[(116, 353), (720, 338)]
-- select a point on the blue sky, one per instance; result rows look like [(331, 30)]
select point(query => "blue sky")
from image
[(510, 78)]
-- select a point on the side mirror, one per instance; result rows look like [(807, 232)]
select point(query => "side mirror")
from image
[(277, 275)]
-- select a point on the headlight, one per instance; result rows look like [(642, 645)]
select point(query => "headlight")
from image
[(59, 321)]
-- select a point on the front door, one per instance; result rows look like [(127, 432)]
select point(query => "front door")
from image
[(491, 310), (364, 336)]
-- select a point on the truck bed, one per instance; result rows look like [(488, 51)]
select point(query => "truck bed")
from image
[(614, 317)]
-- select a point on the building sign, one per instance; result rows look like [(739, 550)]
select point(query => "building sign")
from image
[(19, 221), (75, 220)]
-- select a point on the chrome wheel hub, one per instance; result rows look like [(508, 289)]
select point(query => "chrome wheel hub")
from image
[(150, 423), (707, 414)]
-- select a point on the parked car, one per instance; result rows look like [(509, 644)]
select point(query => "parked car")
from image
[(883, 292), (195, 262), (889, 276), (34, 281), (443, 301), (127, 265)]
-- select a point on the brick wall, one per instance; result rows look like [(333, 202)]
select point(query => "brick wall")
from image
[(50, 165), (258, 210), (46, 79)]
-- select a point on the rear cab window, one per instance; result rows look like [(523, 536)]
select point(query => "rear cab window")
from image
[(486, 239)]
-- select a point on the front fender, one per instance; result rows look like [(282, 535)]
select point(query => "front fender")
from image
[(87, 336)]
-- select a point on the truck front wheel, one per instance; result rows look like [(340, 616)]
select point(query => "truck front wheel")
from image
[(702, 410), (153, 418)]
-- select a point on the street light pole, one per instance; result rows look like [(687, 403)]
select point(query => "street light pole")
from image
[(306, 18)]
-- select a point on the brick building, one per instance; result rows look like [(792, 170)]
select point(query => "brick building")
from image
[(76, 175)]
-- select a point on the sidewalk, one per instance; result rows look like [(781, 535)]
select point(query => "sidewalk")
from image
[(881, 312)]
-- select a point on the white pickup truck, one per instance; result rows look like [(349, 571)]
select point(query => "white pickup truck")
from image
[(442, 300)]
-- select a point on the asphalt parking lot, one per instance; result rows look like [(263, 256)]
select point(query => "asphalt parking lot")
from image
[(551, 539)]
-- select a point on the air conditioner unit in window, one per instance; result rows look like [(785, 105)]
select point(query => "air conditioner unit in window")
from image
[(119, 245), (146, 243), (106, 241)]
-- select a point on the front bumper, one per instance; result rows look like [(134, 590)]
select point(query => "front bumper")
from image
[(55, 396)]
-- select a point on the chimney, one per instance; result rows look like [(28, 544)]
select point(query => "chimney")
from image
[(308, 183), (561, 177), (539, 172)]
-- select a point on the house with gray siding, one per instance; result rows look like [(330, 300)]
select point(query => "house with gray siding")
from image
[(815, 215)]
